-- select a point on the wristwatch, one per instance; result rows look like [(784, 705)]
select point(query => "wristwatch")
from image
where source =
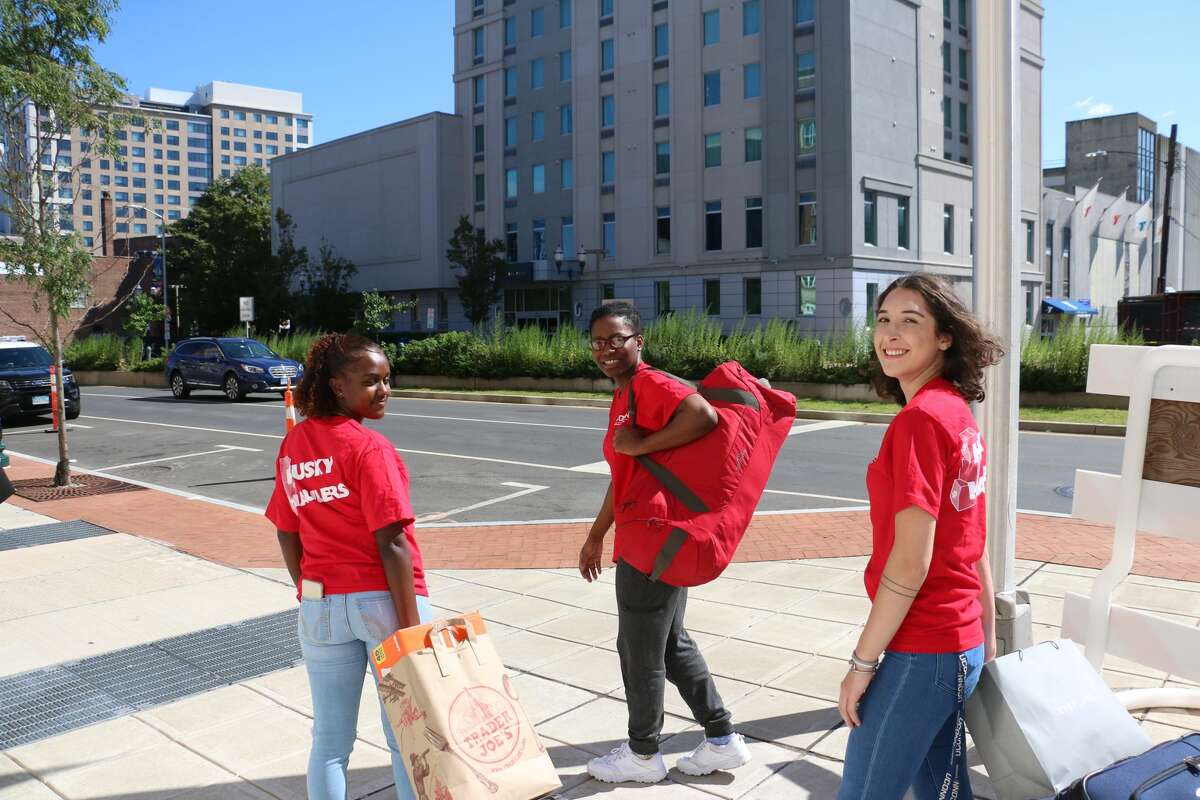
[(858, 665)]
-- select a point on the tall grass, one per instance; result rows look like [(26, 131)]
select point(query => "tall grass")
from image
[(294, 345), (1059, 363), (109, 352)]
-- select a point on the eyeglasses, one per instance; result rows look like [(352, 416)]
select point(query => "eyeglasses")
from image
[(617, 340)]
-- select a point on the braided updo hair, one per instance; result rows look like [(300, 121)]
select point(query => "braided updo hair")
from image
[(329, 356)]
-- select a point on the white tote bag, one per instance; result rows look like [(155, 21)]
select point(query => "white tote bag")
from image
[(1042, 717)]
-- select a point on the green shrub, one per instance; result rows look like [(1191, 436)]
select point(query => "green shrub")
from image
[(1059, 363), (109, 352)]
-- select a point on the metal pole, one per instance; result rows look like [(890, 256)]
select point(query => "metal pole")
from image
[(1166, 239), (997, 287), (162, 249)]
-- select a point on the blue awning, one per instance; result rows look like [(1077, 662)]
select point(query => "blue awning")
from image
[(1079, 307)]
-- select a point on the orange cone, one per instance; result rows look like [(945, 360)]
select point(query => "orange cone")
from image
[(54, 397), (289, 410)]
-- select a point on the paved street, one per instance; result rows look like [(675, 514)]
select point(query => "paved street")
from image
[(481, 462)]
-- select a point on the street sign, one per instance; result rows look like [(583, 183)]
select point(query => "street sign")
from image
[(246, 307)]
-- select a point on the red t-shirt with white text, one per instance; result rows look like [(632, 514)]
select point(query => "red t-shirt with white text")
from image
[(933, 457), (657, 397), (336, 483)]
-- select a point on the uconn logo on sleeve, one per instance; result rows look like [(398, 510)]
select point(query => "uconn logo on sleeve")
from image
[(972, 472), (298, 497)]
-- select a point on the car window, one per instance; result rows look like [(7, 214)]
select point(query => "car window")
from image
[(247, 349), (20, 357), (211, 351), (187, 349)]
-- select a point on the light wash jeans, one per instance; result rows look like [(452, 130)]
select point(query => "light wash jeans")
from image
[(337, 634), (910, 716)]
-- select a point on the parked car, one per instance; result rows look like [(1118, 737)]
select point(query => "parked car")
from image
[(236, 367), (25, 380)]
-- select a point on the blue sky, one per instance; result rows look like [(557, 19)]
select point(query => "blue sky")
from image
[(362, 63)]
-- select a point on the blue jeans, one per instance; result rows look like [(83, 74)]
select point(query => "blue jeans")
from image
[(337, 634), (907, 738)]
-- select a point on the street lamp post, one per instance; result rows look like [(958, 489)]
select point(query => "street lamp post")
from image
[(162, 250)]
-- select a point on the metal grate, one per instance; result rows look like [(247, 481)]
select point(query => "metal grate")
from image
[(41, 489), (36, 705), (50, 534)]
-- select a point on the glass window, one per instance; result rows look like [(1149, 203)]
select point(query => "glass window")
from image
[(662, 229), (870, 229), (173, 124), (566, 122), (567, 173), (712, 88), (538, 125), (477, 42), (662, 40), (947, 115), (806, 136), (1048, 245), (510, 81), (753, 144), (963, 71), (751, 17), (712, 297), (712, 225), (567, 240), (239, 115), (752, 80), (606, 8), (477, 87), (712, 27), (806, 70), (539, 239), (510, 132), (564, 13), (511, 243), (564, 65), (608, 166), (662, 99), (537, 73), (539, 178), (479, 140), (480, 188), (803, 11), (902, 223), (537, 22), (963, 18), (963, 117), (1066, 261), (607, 56), (806, 295), (609, 291), (946, 9), (948, 229), (712, 150), (662, 158), (662, 298), (1029, 248), (510, 183), (754, 222), (753, 289), (872, 302), (510, 31), (609, 230), (608, 111), (946, 57)]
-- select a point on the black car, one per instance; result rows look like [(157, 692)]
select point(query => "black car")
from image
[(236, 367), (25, 380)]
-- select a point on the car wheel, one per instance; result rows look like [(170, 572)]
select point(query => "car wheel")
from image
[(233, 389), (78, 410), (178, 387)]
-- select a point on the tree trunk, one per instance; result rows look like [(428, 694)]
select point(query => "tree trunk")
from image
[(62, 472)]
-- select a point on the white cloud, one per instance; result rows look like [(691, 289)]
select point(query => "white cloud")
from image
[(1091, 108), (1167, 114)]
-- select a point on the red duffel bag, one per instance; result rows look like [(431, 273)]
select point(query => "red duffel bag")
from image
[(687, 508)]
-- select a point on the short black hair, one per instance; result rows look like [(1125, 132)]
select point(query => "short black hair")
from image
[(618, 308)]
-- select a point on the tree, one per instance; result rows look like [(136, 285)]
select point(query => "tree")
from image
[(222, 251), (142, 311), (53, 95), (376, 311), (479, 259), (325, 297)]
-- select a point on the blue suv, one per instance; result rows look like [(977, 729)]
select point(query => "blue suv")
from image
[(236, 367), (25, 380)]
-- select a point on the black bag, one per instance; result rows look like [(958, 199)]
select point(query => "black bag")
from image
[(6, 487), (1169, 771)]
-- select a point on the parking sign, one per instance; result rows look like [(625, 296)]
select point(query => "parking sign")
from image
[(246, 306)]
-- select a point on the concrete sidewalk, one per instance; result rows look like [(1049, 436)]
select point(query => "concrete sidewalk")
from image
[(776, 635)]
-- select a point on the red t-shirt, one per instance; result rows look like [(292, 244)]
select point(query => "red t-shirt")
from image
[(656, 398), (336, 483), (933, 457)]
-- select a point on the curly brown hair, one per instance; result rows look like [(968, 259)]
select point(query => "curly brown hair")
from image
[(972, 348), (329, 356)]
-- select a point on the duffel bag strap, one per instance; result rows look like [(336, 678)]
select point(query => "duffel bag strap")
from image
[(669, 480), (666, 554)]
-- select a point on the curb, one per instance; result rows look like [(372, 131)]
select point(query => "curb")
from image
[(1035, 426)]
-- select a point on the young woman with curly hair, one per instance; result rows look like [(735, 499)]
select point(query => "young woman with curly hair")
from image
[(345, 526), (932, 621)]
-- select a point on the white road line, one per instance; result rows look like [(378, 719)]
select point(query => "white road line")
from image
[(526, 488), (596, 468), (185, 427), (482, 458), (858, 500), (222, 448), (821, 426)]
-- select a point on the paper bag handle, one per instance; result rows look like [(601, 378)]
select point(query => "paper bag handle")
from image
[(442, 651)]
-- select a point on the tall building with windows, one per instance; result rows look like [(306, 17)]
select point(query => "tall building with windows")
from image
[(747, 159), (173, 147)]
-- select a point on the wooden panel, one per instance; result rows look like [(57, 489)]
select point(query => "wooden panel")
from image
[(1173, 443)]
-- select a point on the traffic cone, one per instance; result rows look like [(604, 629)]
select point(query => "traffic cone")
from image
[(289, 410), (53, 400)]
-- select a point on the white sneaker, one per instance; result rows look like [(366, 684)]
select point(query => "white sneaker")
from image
[(622, 765), (709, 757)]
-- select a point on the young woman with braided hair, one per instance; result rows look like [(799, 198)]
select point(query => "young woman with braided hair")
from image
[(345, 526)]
